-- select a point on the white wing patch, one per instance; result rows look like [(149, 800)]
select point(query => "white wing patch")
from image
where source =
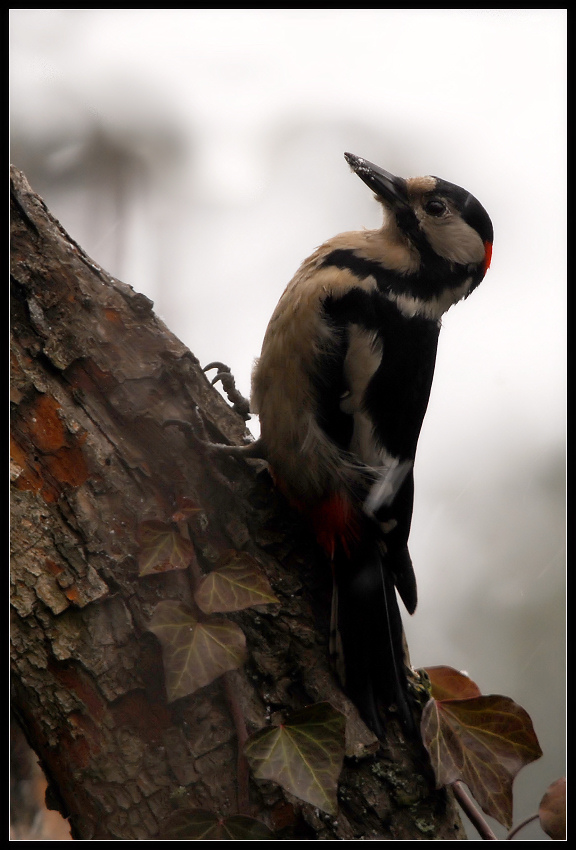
[(384, 490), (362, 360)]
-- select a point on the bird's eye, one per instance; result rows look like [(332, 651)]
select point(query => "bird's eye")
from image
[(435, 207)]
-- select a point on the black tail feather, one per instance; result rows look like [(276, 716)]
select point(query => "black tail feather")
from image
[(372, 637), (399, 564)]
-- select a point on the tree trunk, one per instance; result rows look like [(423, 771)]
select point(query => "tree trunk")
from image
[(95, 377)]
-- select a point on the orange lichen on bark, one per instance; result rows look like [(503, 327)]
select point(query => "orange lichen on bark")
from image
[(47, 454)]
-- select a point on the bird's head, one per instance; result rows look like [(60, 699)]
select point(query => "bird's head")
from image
[(440, 219)]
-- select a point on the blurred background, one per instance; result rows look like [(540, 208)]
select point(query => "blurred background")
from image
[(198, 156)]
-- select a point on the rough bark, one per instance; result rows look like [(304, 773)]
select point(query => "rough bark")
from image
[(95, 377)]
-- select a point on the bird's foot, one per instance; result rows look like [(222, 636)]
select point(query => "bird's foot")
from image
[(239, 404), (202, 444)]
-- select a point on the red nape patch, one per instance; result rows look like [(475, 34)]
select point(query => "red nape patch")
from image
[(487, 256), (335, 522)]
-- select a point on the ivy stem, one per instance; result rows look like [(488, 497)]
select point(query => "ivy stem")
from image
[(243, 801), (242, 771), (242, 781), (472, 812), (516, 829)]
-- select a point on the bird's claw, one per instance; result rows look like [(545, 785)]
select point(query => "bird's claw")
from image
[(239, 404), (254, 450)]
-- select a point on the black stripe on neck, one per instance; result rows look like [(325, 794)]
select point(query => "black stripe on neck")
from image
[(426, 283), (344, 258)]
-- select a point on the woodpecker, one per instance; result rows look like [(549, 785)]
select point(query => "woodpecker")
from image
[(341, 389)]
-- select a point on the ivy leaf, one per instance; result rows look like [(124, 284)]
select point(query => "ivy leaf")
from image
[(483, 741), (304, 755), (237, 584), (200, 825), (552, 810), (162, 548), (185, 508), (195, 653), (448, 683)]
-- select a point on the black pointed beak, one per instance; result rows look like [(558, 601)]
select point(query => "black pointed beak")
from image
[(388, 187)]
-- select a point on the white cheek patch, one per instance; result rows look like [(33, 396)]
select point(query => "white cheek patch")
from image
[(454, 240)]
